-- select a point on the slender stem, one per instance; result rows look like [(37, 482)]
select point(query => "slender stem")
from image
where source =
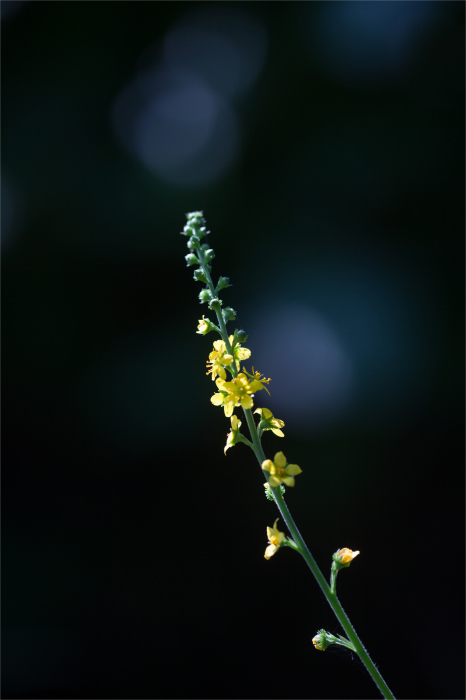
[(329, 593), (310, 561)]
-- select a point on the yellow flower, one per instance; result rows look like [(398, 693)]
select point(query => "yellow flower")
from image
[(239, 390), (345, 555), (257, 377), (202, 327), (239, 352), (274, 424), (275, 538), (233, 434), (280, 471), (219, 359)]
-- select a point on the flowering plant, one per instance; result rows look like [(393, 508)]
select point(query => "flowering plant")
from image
[(240, 392)]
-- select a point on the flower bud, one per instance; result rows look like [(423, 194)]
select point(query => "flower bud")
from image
[(343, 558), (228, 314), (195, 217), (209, 255), (199, 275), (222, 283), (241, 336), (205, 296), (191, 259), (215, 304), (193, 243)]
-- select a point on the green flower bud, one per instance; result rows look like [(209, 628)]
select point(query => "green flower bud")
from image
[(269, 492), (187, 231), (241, 336), (195, 217), (205, 295), (191, 259), (215, 304), (322, 640), (228, 314), (199, 275), (209, 255), (193, 243), (223, 283)]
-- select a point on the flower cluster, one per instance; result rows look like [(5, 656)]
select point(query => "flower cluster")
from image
[(238, 392)]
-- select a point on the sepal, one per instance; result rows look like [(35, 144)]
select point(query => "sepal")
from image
[(192, 259), (199, 275), (215, 304), (205, 295), (205, 326), (228, 314), (222, 283)]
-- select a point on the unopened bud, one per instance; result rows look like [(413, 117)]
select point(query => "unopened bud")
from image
[(191, 259), (205, 296), (199, 275)]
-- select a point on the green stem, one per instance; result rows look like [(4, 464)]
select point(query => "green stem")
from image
[(310, 561), (285, 513)]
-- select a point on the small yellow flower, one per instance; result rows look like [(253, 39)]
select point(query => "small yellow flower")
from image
[(218, 360), (233, 434), (257, 377), (239, 390), (274, 424), (275, 539), (203, 326), (280, 471), (345, 555), (239, 352)]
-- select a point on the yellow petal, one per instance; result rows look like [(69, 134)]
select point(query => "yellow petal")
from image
[(278, 432), (234, 423), (281, 537), (293, 470), (277, 423), (242, 353), (267, 465), (259, 411), (247, 402), (269, 533), (217, 399), (228, 408), (270, 551), (219, 345), (227, 359), (280, 459), (221, 373), (220, 383), (275, 481), (254, 386), (267, 413), (288, 480)]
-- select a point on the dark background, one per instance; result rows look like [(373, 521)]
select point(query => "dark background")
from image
[(324, 142)]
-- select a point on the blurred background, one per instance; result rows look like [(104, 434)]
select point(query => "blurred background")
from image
[(324, 142)]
